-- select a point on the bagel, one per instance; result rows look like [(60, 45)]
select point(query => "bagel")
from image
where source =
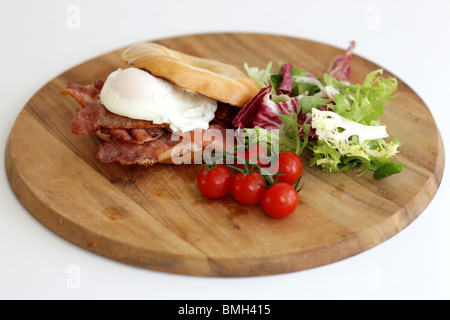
[(211, 78)]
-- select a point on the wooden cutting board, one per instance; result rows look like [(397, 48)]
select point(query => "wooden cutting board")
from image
[(155, 218)]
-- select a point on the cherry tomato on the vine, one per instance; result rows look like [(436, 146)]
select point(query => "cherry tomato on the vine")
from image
[(248, 189), (215, 182), (280, 200), (290, 167), (257, 154)]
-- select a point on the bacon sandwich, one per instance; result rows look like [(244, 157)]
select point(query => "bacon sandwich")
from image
[(149, 113)]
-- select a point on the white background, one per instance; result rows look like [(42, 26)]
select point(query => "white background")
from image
[(41, 39)]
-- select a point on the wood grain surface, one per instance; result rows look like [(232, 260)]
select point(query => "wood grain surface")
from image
[(155, 218)]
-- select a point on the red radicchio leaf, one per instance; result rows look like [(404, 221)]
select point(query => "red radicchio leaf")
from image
[(339, 67), (263, 112), (286, 84), (245, 117)]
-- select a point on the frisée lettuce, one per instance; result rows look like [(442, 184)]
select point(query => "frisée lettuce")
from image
[(336, 120)]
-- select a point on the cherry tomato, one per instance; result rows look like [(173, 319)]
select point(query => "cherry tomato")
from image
[(248, 189), (255, 155), (291, 165), (215, 182), (280, 200)]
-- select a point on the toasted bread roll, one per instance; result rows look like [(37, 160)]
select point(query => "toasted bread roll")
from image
[(211, 78)]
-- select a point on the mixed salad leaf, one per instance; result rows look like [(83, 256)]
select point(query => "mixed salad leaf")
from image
[(336, 120)]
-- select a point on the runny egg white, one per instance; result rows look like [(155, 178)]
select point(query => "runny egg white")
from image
[(136, 94)]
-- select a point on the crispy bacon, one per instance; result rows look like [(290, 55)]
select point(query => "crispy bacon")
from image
[(84, 94), (151, 152), (136, 136), (146, 154), (139, 142), (95, 116)]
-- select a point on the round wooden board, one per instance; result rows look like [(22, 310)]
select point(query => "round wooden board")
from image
[(155, 218)]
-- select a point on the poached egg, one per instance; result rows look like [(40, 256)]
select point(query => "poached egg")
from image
[(136, 94)]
